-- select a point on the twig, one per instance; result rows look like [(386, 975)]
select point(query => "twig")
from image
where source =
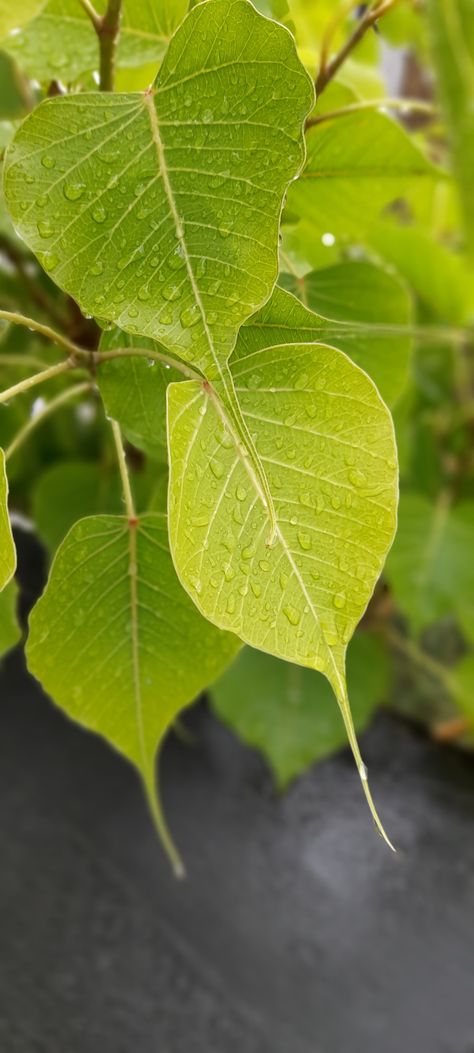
[(122, 463), (412, 105), (50, 407), (37, 378), (328, 71)]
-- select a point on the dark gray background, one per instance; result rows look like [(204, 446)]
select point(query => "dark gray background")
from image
[(297, 931)]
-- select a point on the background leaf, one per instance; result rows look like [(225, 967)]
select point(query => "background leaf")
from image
[(361, 292), (288, 712), (116, 641)]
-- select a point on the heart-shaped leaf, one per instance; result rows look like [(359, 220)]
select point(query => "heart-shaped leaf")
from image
[(326, 443), (160, 211), (118, 644)]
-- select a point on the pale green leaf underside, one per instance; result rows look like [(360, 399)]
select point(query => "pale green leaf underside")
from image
[(160, 212), (116, 641), (61, 40), (133, 391), (326, 443), (10, 631), (354, 168), (288, 712), (7, 547), (380, 307)]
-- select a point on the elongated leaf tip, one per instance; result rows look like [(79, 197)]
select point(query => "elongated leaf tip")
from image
[(345, 708), (161, 826)]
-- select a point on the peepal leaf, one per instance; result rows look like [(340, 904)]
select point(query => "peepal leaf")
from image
[(327, 445), (380, 307), (61, 41), (118, 644), (288, 712), (160, 211), (354, 169), (7, 546)]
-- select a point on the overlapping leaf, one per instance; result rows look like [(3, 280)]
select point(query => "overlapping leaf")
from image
[(354, 169), (160, 212), (61, 41), (116, 641), (325, 440), (7, 547), (288, 712)]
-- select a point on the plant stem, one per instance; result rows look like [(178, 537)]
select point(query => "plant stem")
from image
[(329, 70), (37, 378), (122, 463), (45, 330), (92, 13), (414, 105), (108, 34), (50, 407), (144, 352)]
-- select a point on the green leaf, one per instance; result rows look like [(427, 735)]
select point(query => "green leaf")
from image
[(160, 211), (61, 41), (68, 491), (325, 440), (134, 392), (430, 568), (7, 547), (10, 631), (12, 16), (452, 30), (355, 167), (463, 686), (288, 712), (117, 643), (361, 292)]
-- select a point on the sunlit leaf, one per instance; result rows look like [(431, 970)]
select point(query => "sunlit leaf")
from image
[(7, 547), (362, 293), (288, 712), (116, 641), (61, 41), (430, 568), (10, 631), (325, 440), (160, 211)]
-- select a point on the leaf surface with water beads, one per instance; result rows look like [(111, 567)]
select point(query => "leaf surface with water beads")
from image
[(7, 547), (327, 445), (160, 211), (116, 641)]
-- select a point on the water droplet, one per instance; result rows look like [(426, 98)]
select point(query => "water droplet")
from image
[(48, 162), (172, 292), (73, 191), (217, 468), (99, 214), (144, 293), (264, 564), (231, 604), (190, 316), (304, 540), (241, 493), (49, 261), (45, 230), (256, 588), (357, 478), (292, 614), (97, 268), (339, 601)]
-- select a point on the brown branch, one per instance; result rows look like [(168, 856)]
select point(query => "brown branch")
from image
[(327, 72)]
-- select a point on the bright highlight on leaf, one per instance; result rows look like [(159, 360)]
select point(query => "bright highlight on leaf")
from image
[(119, 645)]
